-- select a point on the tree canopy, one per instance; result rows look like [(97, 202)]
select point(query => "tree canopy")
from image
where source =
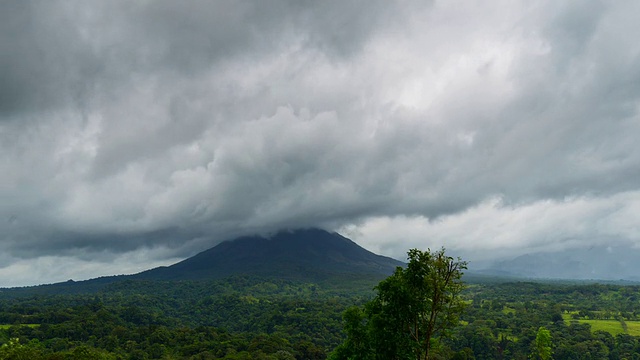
[(412, 310)]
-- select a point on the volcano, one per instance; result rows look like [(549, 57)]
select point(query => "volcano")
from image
[(296, 254)]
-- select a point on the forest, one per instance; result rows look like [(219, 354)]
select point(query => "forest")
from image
[(253, 318)]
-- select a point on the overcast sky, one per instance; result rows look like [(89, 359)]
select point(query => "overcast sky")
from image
[(136, 133)]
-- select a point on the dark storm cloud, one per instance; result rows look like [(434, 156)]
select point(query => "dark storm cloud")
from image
[(44, 61), (145, 131), (55, 52), (190, 36)]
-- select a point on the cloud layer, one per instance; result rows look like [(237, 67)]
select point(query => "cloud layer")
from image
[(151, 130)]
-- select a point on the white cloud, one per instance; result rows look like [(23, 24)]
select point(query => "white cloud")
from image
[(51, 269), (494, 229)]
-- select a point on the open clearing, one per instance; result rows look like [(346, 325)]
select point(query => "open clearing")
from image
[(611, 326)]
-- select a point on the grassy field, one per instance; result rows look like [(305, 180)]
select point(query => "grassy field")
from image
[(633, 327), (613, 327)]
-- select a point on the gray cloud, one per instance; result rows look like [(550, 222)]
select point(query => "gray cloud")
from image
[(152, 130), (45, 61)]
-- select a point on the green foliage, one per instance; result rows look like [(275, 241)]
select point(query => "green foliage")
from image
[(233, 318), (357, 344), (414, 307), (543, 344), (14, 350), (253, 318)]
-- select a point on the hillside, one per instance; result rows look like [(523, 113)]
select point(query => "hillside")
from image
[(310, 254), (595, 263)]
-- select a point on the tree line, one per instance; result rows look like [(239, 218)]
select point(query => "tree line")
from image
[(422, 311)]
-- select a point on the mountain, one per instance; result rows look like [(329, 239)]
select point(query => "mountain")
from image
[(594, 263), (311, 254)]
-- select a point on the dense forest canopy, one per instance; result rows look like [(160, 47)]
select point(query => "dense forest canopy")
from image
[(258, 318)]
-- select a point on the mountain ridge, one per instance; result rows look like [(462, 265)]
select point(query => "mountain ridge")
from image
[(303, 255), (300, 253), (607, 263)]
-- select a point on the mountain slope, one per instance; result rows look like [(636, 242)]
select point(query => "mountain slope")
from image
[(310, 253), (598, 262)]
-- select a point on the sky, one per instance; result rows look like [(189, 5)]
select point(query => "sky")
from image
[(134, 134)]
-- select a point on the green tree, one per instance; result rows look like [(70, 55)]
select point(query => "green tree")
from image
[(543, 343), (357, 345), (413, 309), (13, 350)]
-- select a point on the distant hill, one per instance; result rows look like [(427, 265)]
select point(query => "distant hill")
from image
[(310, 254), (594, 263)]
